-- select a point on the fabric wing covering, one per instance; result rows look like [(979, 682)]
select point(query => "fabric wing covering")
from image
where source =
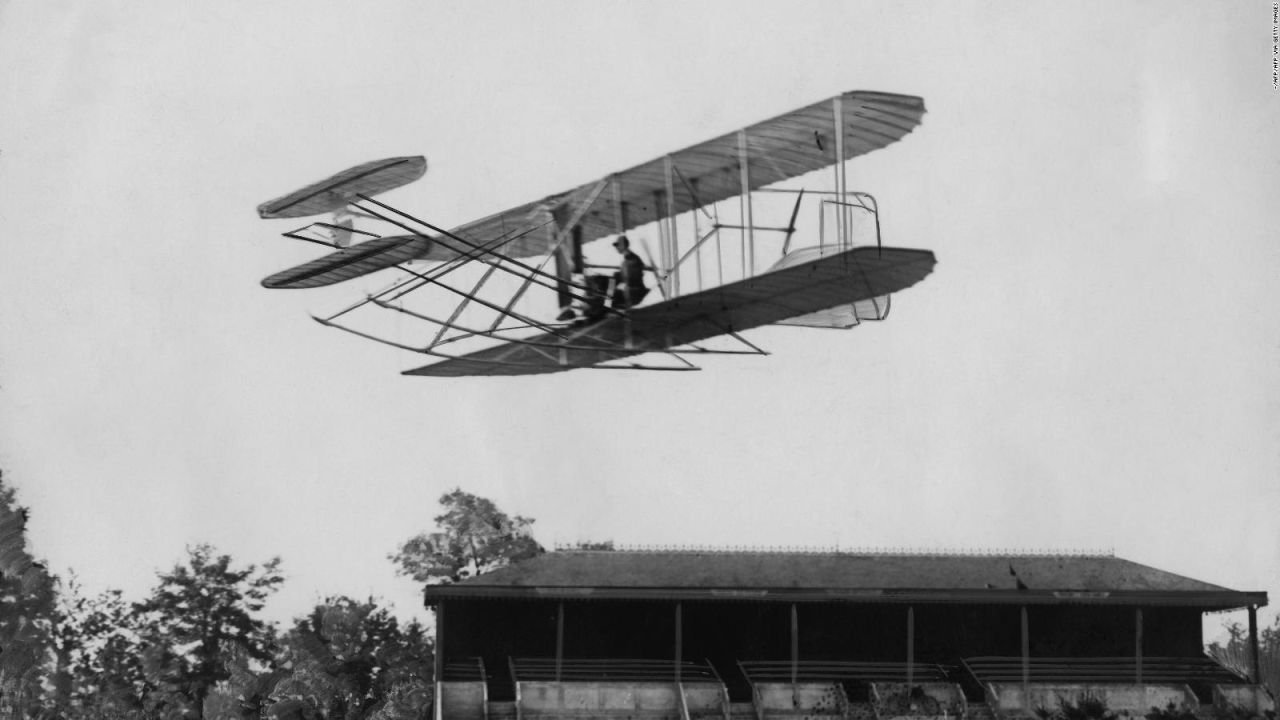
[(784, 147), (334, 192), (351, 262), (854, 275)]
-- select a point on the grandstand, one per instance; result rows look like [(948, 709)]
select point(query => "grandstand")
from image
[(759, 635)]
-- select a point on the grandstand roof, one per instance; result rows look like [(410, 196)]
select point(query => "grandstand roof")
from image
[(870, 577)]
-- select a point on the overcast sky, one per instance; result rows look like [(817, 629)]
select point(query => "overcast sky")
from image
[(1093, 364)]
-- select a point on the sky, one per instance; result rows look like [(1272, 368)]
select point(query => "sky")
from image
[(1092, 365)]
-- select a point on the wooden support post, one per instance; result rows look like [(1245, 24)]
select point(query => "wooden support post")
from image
[(1253, 644), (559, 638), (661, 261), (578, 265), (911, 647), (1026, 661), (619, 212), (837, 112), (672, 239), (564, 267), (438, 666), (748, 237), (795, 644), (439, 649), (697, 234), (1137, 645), (679, 639)]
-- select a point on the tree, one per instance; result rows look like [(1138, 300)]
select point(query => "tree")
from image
[(248, 692), (351, 659), (98, 666), (473, 537), (196, 620), (26, 614)]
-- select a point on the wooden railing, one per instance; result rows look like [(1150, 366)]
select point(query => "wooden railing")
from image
[(841, 670), (610, 669), (463, 670), (1161, 670)]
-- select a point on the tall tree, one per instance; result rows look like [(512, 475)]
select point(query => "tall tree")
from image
[(473, 536), (200, 615), (26, 613)]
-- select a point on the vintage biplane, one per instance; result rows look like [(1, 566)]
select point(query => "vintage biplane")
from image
[(480, 298)]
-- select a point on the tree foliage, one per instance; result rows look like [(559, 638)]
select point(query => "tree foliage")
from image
[(196, 647), (26, 613), (473, 536), (98, 660), (200, 614), (351, 660)]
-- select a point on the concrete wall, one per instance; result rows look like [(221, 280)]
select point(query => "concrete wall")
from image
[(1253, 698), (949, 698), (650, 700), (705, 700), (461, 700), (800, 700), (1007, 699)]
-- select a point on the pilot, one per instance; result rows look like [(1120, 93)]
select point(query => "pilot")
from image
[(629, 287)]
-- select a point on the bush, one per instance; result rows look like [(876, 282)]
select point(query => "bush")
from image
[(1084, 708), (1236, 712), (1172, 711), (909, 702)]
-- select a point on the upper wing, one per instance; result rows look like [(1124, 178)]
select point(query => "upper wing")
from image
[(846, 277), (783, 147), (334, 192)]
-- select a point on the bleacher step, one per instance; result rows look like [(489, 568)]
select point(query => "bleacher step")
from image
[(502, 711), (979, 711)]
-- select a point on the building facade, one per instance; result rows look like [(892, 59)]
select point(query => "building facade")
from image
[(685, 634)]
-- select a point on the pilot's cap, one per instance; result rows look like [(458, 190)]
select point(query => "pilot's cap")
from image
[(622, 241)]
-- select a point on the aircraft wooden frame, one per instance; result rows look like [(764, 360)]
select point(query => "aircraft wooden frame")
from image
[(706, 269)]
